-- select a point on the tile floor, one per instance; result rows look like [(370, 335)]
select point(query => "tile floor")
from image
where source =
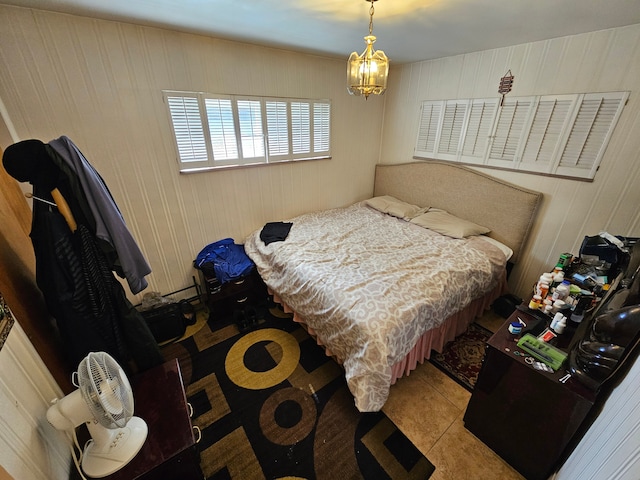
[(428, 407)]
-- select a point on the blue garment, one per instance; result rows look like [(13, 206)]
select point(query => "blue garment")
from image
[(229, 260)]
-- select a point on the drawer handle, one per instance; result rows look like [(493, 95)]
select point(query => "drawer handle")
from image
[(242, 300), (198, 433), (239, 282), (190, 407)]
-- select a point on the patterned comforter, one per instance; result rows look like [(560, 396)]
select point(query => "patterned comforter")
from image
[(370, 285)]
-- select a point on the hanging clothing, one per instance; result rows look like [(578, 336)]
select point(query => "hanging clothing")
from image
[(109, 223), (73, 269)]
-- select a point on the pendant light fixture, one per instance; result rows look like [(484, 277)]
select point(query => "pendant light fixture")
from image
[(367, 73)]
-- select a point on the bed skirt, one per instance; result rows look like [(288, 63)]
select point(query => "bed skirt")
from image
[(434, 339)]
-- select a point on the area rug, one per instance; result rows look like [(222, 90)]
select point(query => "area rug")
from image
[(461, 358), (271, 405)]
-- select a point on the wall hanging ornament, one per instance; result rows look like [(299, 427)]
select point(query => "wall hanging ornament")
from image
[(505, 85)]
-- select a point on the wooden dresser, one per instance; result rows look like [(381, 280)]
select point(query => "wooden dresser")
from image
[(525, 415), (169, 452), (223, 299)]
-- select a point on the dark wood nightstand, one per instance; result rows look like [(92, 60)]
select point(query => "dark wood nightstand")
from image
[(223, 299), (169, 452), (526, 416)]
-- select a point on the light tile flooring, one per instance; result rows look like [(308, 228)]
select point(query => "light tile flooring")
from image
[(428, 407)]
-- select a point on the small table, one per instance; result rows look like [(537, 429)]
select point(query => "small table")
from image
[(169, 452), (526, 416)]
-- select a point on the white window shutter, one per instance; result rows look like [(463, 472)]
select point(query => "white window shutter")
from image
[(428, 129), (212, 130), (277, 128), (482, 113), (321, 130), (596, 118), (251, 134), (513, 119), (455, 112), (222, 130), (547, 133), (300, 129), (188, 128)]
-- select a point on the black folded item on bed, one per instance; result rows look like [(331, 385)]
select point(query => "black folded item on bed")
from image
[(275, 232)]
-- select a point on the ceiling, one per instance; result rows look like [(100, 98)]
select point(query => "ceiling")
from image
[(407, 30)]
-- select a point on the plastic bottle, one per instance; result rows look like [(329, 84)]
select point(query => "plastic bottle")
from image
[(544, 278), (562, 291), (557, 305), (535, 302), (543, 290), (557, 317), (561, 325)]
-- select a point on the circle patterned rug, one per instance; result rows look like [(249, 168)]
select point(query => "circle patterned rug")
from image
[(271, 405)]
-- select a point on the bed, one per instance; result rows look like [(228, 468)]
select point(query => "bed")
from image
[(376, 283)]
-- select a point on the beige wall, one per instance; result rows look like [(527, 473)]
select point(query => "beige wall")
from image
[(100, 83), (602, 61), (29, 446)]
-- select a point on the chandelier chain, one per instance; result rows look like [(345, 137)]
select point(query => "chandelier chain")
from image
[(371, 10)]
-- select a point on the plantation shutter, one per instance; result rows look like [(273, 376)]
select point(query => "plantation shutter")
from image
[(222, 130), (596, 118), (277, 128), (451, 133), (564, 135), (513, 117), (300, 129), (428, 129), (251, 133), (482, 114), (188, 129), (547, 132), (321, 130)]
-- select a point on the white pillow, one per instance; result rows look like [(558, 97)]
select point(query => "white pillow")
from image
[(392, 206), (446, 224), (506, 250)]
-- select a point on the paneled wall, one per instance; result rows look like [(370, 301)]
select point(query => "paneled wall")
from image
[(607, 60), (611, 449), (100, 83), (29, 446)]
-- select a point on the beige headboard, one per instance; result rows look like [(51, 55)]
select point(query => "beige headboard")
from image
[(507, 209)]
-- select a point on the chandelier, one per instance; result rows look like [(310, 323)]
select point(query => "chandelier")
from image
[(367, 73)]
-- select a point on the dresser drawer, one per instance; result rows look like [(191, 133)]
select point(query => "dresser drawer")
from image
[(236, 294)]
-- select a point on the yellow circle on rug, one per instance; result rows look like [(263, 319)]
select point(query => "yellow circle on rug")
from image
[(243, 377)]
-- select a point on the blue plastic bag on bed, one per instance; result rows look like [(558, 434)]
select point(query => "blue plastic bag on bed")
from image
[(228, 259)]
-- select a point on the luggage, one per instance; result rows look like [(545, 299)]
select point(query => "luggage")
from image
[(169, 322)]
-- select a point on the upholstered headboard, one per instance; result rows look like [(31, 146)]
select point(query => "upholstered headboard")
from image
[(507, 209)]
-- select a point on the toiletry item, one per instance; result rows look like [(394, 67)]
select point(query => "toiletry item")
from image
[(535, 302), (561, 325)]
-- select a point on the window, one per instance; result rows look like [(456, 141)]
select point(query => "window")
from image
[(223, 130), (562, 135)]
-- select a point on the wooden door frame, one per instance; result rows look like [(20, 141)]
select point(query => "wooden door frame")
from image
[(18, 281)]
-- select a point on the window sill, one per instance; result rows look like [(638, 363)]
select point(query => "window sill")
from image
[(188, 171)]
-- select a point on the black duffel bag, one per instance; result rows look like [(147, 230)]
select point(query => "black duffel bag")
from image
[(169, 322)]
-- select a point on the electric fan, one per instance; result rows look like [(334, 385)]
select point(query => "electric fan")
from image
[(104, 402)]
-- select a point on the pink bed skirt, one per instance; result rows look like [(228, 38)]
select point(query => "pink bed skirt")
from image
[(434, 339)]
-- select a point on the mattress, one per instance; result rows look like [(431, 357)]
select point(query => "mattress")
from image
[(370, 285)]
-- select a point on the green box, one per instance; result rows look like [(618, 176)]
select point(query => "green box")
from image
[(547, 354)]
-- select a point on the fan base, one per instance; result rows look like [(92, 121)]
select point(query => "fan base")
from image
[(112, 449)]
